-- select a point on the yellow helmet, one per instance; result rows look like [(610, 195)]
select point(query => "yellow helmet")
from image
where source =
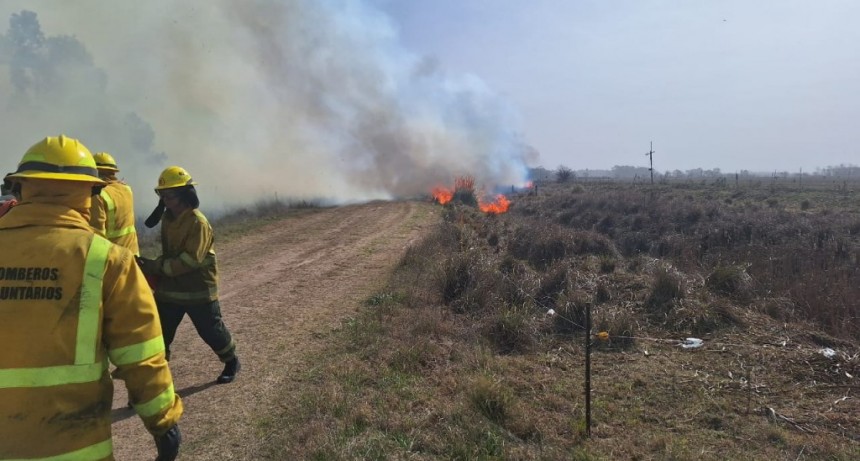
[(105, 161), (60, 158), (174, 176)]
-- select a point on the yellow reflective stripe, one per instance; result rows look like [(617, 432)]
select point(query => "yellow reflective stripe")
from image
[(226, 349), (136, 352), (51, 376), (120, 232), (167, 268), (200, 216), (190, 261), (111, 231), (91, 299), (100, 450), (110, 208), (158, 404)]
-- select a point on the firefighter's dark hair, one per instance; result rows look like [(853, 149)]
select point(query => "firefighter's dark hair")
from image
[(6, 188), (188, 196)]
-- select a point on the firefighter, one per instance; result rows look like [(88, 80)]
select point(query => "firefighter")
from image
[(187, 270), (70, 300), (9, 195), (112, 214)]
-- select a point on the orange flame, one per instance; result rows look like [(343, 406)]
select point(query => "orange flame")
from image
[(499, 206), (442, 195), (466, 185)]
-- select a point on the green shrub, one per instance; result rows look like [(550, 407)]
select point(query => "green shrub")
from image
[(446, 238), (570, 314), (607, 264), (586, 242), (384, 299), (509, 332), (666, 289), (491, 399), (466, 197), (703, 318), (602, 294), (621, 326), (730, 281), (553, 284), (540, 246), (455, 278), (464, 191)]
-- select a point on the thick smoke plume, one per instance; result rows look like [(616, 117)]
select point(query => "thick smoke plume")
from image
[(295, 98)]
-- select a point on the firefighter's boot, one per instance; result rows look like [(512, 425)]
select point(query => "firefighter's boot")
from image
[(231, 367)]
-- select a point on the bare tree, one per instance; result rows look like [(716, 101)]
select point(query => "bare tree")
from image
[(563, 174)]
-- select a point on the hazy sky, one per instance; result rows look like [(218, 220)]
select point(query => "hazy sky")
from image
[(360, 99), (731, 84), (298, 99)]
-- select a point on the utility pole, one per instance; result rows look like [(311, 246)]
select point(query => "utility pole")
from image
[(650, 155)]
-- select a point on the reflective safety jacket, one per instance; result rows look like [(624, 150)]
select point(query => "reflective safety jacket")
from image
[(188, 270), (112, 215), (69, 302)]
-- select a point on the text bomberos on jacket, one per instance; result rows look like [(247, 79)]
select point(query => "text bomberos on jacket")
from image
[(31, 291)]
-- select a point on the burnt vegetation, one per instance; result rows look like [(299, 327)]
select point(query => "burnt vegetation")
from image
[(492, 308)]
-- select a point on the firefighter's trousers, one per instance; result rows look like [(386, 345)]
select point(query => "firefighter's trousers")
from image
[(207, 320)]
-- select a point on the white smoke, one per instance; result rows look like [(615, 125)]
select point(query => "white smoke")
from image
[(301, 99)]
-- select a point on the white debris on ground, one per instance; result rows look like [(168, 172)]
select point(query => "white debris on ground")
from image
[(827, 352), (691, 343)]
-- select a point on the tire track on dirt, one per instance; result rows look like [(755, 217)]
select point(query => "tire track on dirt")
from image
[(283, 287)]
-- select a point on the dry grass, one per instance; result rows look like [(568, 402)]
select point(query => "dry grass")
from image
[(476, 348)]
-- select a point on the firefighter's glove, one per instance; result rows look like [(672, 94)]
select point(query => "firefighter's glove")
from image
[(167, 444), (149, 266)]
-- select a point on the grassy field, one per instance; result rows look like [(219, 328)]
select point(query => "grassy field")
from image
[(476, 347)]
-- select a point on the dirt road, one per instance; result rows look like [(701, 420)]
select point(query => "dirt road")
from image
[(282, 287)]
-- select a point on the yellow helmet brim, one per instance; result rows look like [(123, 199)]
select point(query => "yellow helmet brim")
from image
[(175, 186), (31, 174)]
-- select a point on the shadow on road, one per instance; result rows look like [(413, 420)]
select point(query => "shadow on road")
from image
[(119, 414), (185, 392)]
